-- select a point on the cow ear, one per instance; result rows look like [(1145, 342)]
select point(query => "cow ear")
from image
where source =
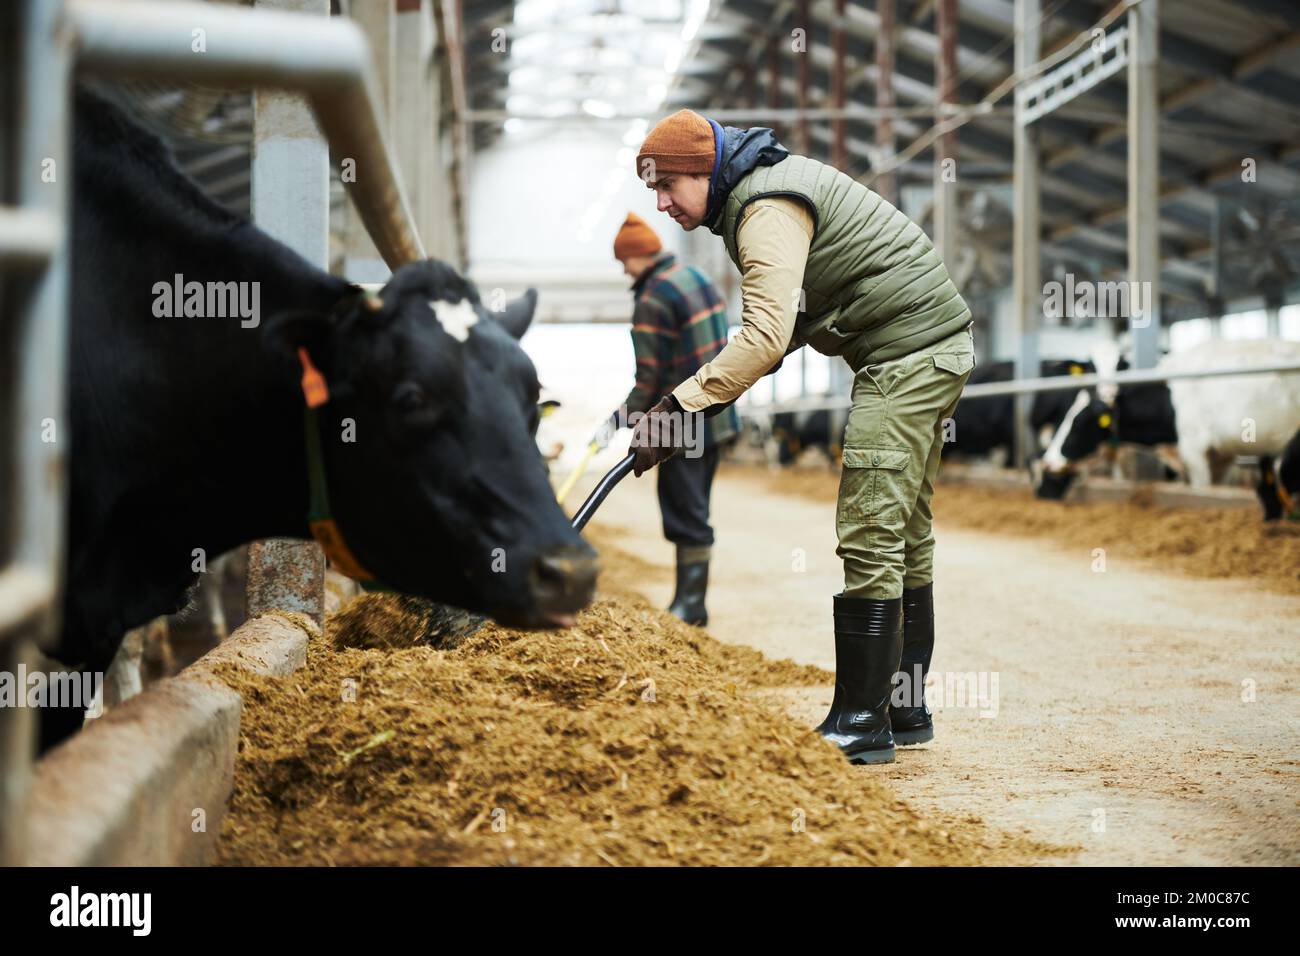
[(518, 315), (285, 332)]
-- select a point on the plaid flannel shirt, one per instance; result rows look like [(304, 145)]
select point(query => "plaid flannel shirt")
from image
[(679, 323)]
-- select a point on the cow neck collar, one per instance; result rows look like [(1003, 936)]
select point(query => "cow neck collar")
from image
[(320, 519)]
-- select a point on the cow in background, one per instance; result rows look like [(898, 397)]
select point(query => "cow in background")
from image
[(985, 426), (1278, 487), (1209, 421), (793, 433)]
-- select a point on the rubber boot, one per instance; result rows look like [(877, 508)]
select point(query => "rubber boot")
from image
[(868, 643), (914, 724), (692, 583)]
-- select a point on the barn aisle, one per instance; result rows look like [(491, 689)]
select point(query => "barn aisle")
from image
[(1113, 701)]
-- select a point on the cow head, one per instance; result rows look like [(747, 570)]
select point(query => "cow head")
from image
[(783, 444), (440, 491), (1266, 489), (1088, 423), (1278, 487)]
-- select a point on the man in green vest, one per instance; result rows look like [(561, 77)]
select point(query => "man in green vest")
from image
[(826, 262)]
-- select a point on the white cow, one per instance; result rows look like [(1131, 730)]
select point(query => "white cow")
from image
[(1211, 420), (1219, 418)]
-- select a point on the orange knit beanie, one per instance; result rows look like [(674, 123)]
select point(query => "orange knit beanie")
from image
[(635, 238), (681, 143)]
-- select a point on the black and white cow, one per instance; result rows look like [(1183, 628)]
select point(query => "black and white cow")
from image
[(792, 433), (982, 426), (1278, 487), (187, 433), (1210, 421), (985, 426)]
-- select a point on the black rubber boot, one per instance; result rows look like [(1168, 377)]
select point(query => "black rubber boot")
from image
[(868, 643), (914, 724), (688, 596)]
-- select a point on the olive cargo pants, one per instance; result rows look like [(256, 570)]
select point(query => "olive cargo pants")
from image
[(892, 443)]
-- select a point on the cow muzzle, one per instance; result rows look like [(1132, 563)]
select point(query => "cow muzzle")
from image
[(561, 583), (1052, 485)]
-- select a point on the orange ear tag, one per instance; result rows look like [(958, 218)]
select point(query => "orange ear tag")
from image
[(314, 389)]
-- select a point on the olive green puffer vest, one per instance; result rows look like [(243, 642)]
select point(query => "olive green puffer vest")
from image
[(874, 286)]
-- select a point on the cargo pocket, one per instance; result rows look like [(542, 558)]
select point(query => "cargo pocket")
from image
[(871, 486), (959, 363)]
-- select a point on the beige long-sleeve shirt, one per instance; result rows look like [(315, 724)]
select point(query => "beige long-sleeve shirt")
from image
[(772, 244)]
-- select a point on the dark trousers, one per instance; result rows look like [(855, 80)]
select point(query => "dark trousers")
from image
[(684, 488)]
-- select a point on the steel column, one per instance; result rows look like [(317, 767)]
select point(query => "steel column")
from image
[(839, 151), (1026, 262), (1144, 176), (887, 184), (946, 202)]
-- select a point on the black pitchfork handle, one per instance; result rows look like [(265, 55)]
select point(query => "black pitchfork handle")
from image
[(606, 485)]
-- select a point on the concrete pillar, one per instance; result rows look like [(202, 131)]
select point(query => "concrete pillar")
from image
[(291, 202), (1026, 262), (946, 201)]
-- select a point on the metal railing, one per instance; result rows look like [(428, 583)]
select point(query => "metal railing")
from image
[(1027, 386), (33, 256), (327, 59)]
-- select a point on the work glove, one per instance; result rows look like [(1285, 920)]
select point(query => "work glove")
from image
[(606, 432), (658, 435)]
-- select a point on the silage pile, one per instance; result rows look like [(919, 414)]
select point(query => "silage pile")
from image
[(629, 739)]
